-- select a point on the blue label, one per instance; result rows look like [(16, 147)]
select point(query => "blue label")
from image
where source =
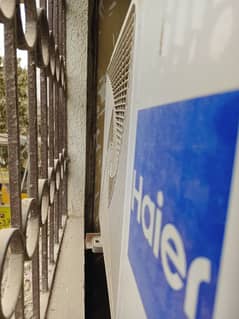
[(182, 176)]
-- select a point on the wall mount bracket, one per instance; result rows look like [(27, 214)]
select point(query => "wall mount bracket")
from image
[(93, 242)]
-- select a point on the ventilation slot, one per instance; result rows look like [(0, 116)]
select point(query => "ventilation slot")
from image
[(119, 76)]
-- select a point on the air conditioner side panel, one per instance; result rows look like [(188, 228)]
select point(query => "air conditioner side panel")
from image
[(113, 188), (183, 51)]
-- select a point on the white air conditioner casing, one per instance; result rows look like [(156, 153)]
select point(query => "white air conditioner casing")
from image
[(181, 57)]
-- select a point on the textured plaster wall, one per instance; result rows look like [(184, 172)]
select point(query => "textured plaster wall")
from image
[(77, 30), (68, 296)]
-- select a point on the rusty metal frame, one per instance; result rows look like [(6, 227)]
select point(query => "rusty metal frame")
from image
[(43, 37)]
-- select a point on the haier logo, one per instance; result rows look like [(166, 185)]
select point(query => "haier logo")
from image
[(181, 187), (167, 242)]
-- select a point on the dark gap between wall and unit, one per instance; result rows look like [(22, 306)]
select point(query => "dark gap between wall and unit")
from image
[(96, 294)]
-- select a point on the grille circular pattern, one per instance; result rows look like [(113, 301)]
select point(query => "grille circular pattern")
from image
[(31, 28)]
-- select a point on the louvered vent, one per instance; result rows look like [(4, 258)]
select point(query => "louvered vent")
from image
[(119, 76)]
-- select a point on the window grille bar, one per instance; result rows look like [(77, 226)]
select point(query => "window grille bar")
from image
[(64, 102), (51, 140), (56, 113), (51, 163), (33, 170), (10, 66), (60, 108), (44, 167), (56, 149), (44, 174), (13, 124), (44, 125)]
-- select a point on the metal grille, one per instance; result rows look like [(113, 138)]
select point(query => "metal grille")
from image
[(36, 221), (119, 76)]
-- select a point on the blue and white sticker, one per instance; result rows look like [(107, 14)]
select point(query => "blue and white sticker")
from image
[(180, 195)]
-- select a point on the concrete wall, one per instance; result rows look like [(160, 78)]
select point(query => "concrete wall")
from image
[(77, 30), (111, 17)]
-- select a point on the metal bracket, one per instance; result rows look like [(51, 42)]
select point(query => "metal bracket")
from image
[(93, 242)]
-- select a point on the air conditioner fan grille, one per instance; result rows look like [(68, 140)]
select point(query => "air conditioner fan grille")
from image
[(119, 76)]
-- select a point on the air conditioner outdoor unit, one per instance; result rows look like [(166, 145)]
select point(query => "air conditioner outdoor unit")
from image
[(169, 206)]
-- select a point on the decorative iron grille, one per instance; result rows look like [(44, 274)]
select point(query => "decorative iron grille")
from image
[(36, 221)]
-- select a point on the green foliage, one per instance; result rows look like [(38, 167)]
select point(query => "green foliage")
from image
[(2, 100), (22, 99), (22, 109)]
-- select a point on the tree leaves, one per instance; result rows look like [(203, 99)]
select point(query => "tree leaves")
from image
[(22, 109), (22, 99)]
